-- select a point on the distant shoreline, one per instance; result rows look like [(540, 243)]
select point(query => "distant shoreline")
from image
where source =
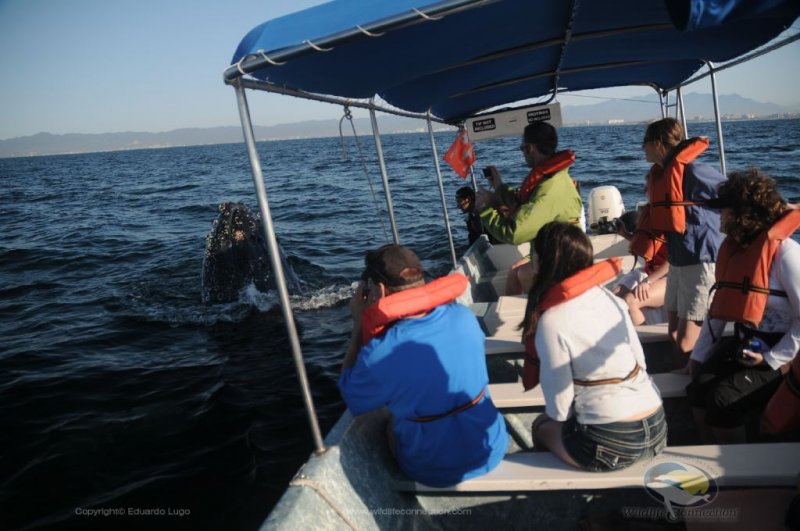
[(264, 138)]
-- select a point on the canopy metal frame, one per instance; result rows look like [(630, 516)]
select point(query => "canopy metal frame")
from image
[(235, 76)]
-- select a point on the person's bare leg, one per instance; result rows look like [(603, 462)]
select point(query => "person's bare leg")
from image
[(655, 299), (672, 326), (688, 334), (520, 277)]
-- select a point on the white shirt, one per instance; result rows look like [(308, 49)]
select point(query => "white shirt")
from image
[(782, 314), (591, 337)]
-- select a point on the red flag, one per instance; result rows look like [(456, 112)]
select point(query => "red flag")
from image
[(461, 154)]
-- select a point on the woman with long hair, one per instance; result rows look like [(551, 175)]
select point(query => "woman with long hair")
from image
[(603, 411), (757, 287)]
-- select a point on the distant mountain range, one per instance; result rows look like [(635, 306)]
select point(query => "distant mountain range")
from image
[(699, 107)]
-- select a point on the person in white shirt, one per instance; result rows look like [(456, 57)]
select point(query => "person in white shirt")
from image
[(732, 376), (603, 411)]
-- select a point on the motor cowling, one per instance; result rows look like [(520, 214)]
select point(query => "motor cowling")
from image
[(605, 208)]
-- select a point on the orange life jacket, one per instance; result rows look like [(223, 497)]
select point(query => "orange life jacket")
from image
[(782, 414), (569, 288), (645, 242), (387, 310), (556, 163), (665, 188), (742, 273)]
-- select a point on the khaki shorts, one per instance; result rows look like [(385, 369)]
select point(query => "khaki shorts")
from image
[(688, 288)]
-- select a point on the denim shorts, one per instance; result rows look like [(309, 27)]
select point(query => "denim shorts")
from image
[(616, 445)]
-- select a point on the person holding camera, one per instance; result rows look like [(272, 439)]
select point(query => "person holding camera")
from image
[(418, 353), (465, 199), (757, 287), (547, 194)]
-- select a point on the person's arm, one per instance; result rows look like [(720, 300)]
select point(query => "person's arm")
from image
[(555, 370), (642, 289), (357, 305), (524, 224), (788, 261)]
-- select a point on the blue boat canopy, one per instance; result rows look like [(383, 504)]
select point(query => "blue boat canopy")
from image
[(456, 58)]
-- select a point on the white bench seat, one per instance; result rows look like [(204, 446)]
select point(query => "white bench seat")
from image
[(506, 339), (511, 395), (740, 465)]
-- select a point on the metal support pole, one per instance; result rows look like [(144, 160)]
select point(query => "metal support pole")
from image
[(472, 174), (663, 105), (682, 112), (441, 193), (717, 118), (384, 176), (277, 267)]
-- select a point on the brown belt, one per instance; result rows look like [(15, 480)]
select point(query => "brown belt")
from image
[(459, 409), (589, 383)]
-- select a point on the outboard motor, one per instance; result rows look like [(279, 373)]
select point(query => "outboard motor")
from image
[(605, 208)]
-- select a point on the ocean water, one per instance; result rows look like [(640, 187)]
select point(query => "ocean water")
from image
[(126, 403)]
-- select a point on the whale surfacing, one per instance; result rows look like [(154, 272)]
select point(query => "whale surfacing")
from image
[(237, 255)]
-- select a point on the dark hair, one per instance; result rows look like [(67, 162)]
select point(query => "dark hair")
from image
[(668, 131), (465, 191), (755, 204), (563, 249), (395, 266), (543, 136)]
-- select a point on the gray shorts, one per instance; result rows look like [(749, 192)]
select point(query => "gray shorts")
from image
[(688, 288)]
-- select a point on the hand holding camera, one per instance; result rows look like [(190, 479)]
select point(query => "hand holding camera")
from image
[(493, 176), (750, 352)]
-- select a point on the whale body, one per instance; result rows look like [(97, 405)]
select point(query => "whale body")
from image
[(237, 255)]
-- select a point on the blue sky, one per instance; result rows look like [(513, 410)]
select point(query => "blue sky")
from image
[(97, 66)]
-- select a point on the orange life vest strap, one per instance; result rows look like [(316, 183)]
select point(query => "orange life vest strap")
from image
[(569, 288), (387, 310), (430, 418), (556, 163), (607, 381)]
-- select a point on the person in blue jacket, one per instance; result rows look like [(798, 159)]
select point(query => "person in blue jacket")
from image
[(692, 255), (429, 370)]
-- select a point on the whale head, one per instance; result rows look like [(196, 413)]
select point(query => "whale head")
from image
[(236, 255)]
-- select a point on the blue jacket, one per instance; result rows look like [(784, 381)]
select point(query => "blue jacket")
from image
[(700, 243)]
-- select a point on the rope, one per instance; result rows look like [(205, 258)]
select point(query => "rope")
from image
[(426, 17), (270, 61), (368, 33), (317, 48), (302, 481), (349, 116)]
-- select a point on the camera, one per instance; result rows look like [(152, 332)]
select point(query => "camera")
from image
[(606, 226), (753, 344)]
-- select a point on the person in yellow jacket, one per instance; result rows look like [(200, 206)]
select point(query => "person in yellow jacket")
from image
[(547, 194)]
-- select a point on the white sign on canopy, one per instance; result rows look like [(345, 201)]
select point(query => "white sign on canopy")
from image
[(513, 122)]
